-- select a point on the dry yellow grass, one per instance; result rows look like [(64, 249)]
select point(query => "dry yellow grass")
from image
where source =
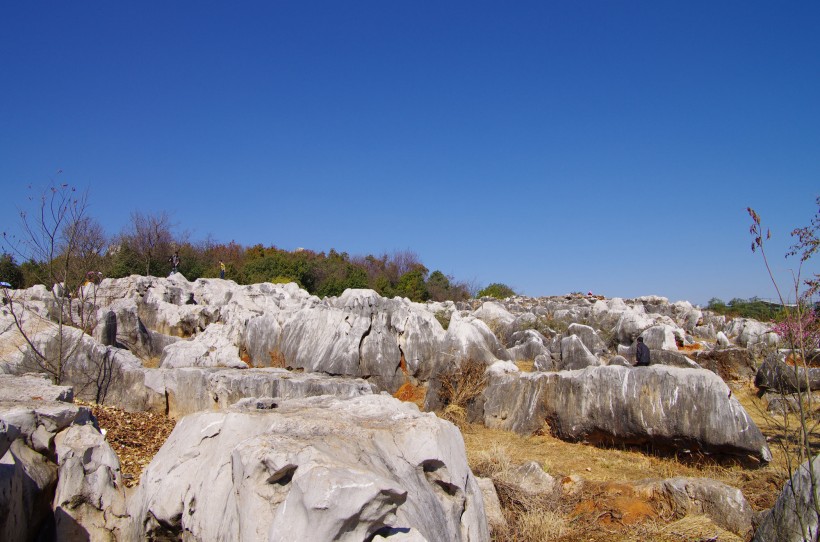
[(604, 510)]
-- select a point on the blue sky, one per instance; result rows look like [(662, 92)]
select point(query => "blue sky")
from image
[(552, 146)]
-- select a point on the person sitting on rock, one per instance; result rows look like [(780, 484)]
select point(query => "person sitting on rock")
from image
[(641, 354)]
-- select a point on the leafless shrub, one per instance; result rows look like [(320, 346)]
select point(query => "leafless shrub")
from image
[(460, 387)]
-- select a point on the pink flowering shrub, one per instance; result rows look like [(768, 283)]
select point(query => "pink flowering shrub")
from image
[(804, 331)]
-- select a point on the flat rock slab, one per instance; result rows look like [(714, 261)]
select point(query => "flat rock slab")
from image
[(194, 389), (33, 387)]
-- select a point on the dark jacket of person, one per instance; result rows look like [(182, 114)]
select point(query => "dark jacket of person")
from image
[(642, 355)]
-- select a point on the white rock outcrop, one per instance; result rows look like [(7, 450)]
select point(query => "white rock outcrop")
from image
[(319, 469)]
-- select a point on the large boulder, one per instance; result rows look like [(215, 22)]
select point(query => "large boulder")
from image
[(680, 409), (750, 333), (794, 516), (777, 376), (732, 364), (89, 501), (495, 315), (661, 337), (211, 348), (575, 355), (27, 481), (528, 345), (319, 468), (589, 337), (630, 324), (33, 387), (723, 504)]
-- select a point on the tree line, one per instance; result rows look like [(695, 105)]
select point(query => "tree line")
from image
[(80, 249)]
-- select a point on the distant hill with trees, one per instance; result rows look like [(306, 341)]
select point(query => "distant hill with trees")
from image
[(147, 242)]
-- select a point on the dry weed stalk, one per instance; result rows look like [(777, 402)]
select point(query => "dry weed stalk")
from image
[(460, 387)]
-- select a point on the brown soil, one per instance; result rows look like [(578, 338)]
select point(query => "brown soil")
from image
[(135, 437)]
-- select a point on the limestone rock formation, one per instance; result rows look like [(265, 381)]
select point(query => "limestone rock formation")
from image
[(196, 389), (723, 504), (89, 501), (319, 468), (575, 355), (28, 460), (793, 517), (667, 406)]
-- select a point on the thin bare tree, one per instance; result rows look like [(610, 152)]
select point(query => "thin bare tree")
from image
[(52, 236), (150, 235), (799, 329)]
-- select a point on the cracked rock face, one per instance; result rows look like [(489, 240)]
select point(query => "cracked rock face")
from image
[(318, 469), (29, 429), (90, 497)]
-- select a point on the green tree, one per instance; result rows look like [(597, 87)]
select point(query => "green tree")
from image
[(10, 272), (496, 290), (412, 285)]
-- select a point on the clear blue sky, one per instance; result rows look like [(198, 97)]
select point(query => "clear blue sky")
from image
[(552, 146)]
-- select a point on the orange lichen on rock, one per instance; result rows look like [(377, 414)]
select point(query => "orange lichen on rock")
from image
[(411, 394)]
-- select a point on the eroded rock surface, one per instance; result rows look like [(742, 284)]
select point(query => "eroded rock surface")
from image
[(665, 406), (319, 468)]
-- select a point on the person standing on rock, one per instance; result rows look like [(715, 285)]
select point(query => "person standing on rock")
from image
[(221, 269), (641, 354), (175, 261)]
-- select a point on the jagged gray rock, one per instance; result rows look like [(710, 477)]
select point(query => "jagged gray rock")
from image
[(33, 387), (27, 481), (723, 504), (588, 336), (28, 469), (731, 363), (793, 518), (530, 478), (775, 375), (319, 468), (575, 355), (528, 345), (89, 502), (665, 406), (492, 505)]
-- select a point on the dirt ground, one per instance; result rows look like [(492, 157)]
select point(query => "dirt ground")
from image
[(135, 437)]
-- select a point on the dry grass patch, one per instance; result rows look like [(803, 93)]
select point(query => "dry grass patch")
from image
[(525, 366), (459, 388), (151, 362), (605, 507)]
